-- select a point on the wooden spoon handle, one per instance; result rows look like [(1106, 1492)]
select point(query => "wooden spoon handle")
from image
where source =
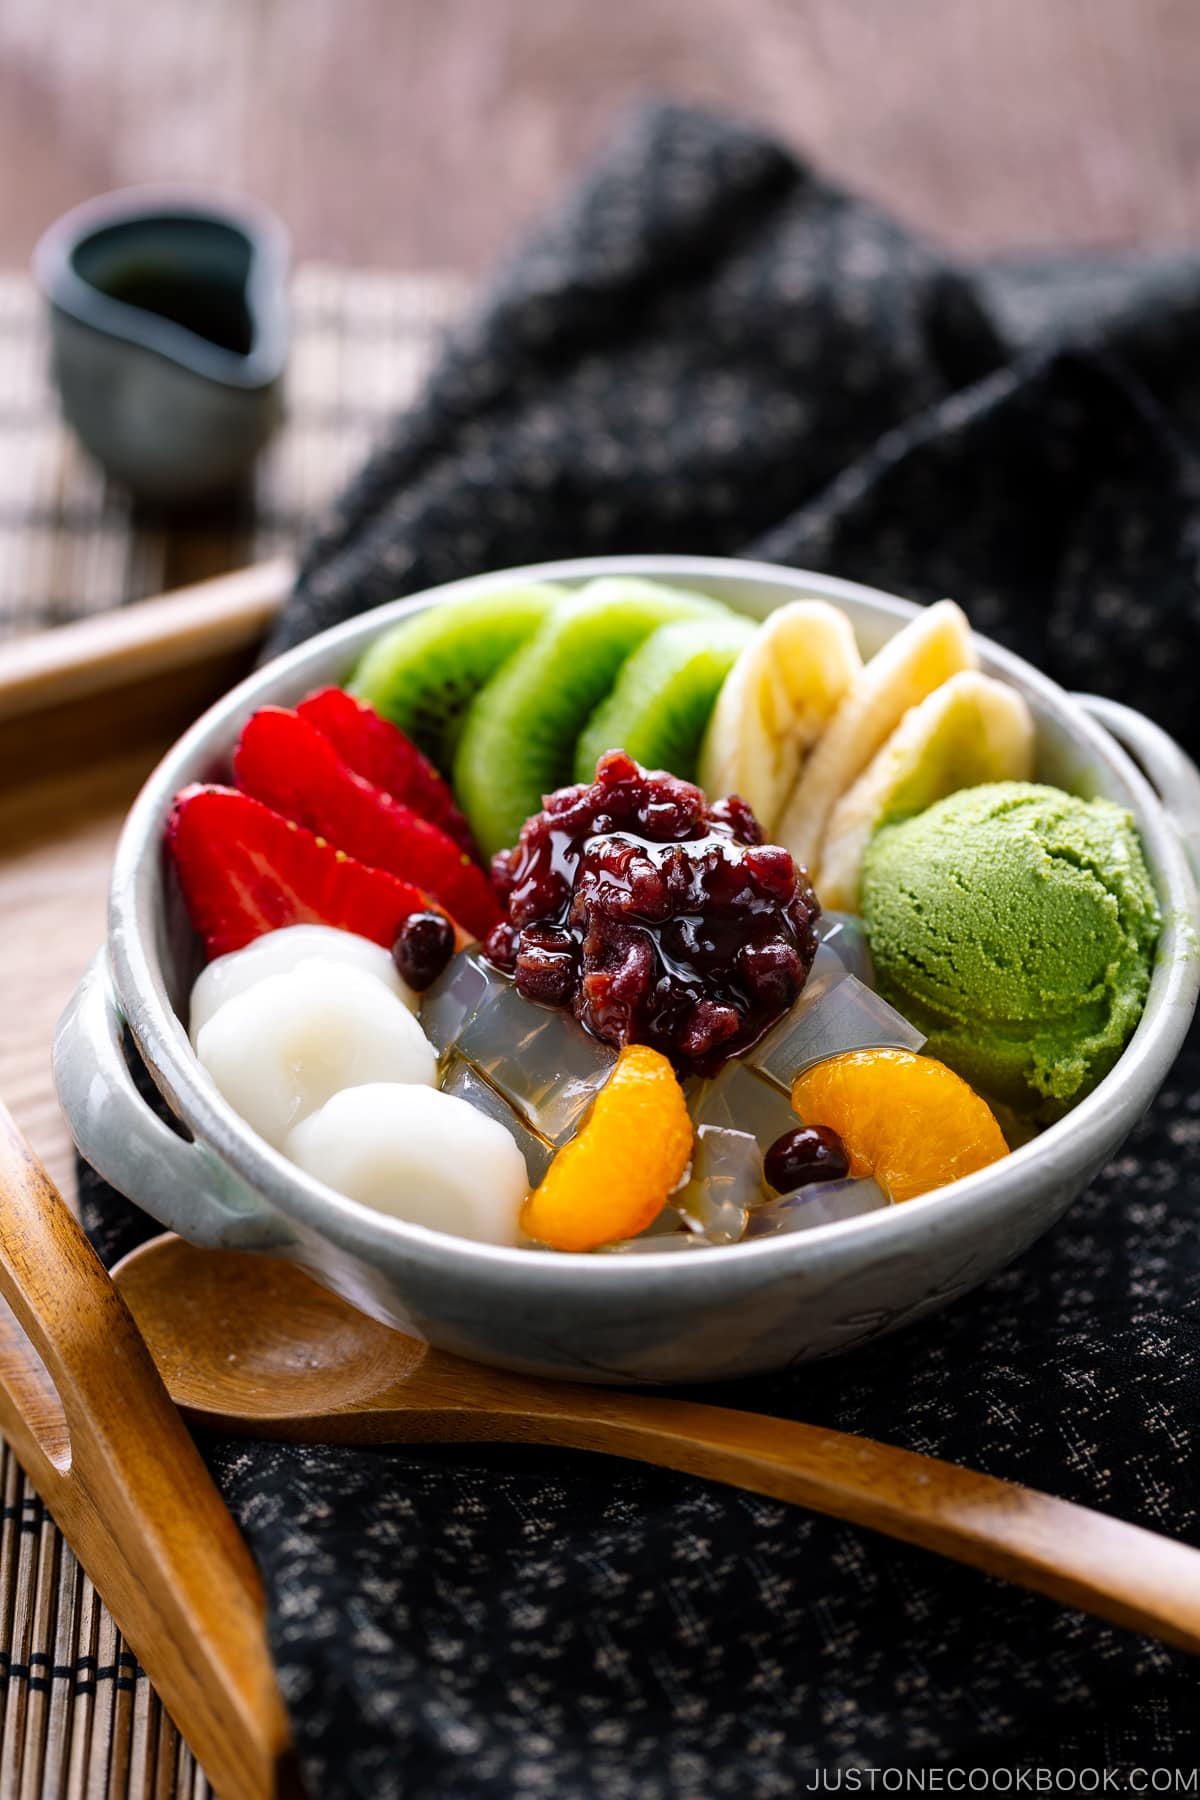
[(290, 1360), (1081, 1558), (84, 1409)]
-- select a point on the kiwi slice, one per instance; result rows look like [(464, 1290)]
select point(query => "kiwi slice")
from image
[(518, 738), (664, 696), (424, 672)]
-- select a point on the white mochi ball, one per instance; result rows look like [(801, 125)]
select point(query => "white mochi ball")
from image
[(279, 1049), (277, 953), (419, 1155)]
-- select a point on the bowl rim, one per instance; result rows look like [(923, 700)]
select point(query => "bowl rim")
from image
[(298, 1198)]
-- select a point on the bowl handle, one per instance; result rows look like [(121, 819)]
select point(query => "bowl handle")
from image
[(1168, 768), (182, 1184)]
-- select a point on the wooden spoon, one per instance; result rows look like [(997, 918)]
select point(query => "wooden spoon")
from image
[(252, 1346), (87, 1415)]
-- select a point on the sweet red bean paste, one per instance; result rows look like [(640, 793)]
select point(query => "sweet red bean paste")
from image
[(655, 917)]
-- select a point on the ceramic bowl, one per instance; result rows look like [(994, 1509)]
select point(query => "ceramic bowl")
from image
[(654, 1317), (168, 335)]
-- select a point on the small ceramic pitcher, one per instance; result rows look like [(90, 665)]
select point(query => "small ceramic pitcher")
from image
[(168, 330)]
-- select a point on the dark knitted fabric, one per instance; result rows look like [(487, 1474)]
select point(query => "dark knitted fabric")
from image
[(711, 350)]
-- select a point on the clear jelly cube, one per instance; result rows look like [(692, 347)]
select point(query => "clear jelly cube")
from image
[(740, 1099), (461, 1080), (664, 1222), (822, 1203), (541, 1059), (725, 1182), (838, 1014), (679, 1239), (451, 1001), (827, 971), (846, 935)]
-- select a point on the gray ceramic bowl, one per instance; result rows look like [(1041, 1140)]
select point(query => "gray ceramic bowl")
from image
[(651, 1318), (168, 335)]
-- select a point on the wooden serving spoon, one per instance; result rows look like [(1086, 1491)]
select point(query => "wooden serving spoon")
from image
[(252, 1346)]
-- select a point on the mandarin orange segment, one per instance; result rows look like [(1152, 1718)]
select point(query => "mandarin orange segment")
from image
[(612, 1179), (907, 1120)]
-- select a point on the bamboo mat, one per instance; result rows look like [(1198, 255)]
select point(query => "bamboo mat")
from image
[(78, 1719)]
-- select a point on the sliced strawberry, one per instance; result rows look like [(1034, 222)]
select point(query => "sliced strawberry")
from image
[(287, 763), (245, 870), (379, 751)]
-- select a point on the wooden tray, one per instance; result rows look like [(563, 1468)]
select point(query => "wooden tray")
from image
[(85, 712)]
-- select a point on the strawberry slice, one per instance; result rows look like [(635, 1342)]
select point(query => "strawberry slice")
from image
[(245, 870), (379, 751), (284, 761)]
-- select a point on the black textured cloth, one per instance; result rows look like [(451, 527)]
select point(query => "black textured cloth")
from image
[(712, 350)]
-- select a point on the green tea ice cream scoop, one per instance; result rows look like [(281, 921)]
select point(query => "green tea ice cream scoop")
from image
[(1015, 924)]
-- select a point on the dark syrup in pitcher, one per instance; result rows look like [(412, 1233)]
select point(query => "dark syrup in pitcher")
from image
[(212, 308)]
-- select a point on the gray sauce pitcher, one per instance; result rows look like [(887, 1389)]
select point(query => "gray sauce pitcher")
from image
[(168, 335)]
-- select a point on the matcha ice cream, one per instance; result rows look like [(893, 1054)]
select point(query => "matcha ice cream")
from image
[(1015, 924)]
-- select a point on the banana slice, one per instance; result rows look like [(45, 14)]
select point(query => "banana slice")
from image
[(934, 646), (774, 704), (968, 731)]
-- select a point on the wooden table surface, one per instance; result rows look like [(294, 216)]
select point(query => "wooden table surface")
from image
[(407, 134)]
